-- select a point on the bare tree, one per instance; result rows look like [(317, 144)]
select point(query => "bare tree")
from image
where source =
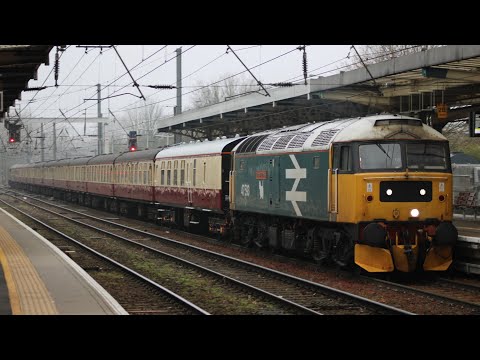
[(145, 121), (224, 88), (371, 54), (458, 137)]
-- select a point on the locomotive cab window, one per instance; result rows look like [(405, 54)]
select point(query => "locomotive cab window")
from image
[(426, 156), (380, 156)]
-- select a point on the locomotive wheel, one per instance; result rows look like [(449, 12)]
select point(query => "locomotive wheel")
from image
[(321, 248), (247, 236), (342, 252)]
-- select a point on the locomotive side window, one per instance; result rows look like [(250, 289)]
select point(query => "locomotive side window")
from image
[(345, 159), (316, 162), (342, 158)]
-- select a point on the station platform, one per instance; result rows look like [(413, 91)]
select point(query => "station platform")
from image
[(36, 278)]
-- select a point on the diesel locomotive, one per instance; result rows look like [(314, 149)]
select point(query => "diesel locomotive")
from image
[(373, 191)]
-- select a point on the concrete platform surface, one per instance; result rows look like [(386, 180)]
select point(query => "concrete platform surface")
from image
[(41, 279)]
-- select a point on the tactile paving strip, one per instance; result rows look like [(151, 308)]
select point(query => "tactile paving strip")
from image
[(28, 294)]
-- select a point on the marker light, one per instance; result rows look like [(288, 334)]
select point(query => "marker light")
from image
[(414, 212), (423, 192), (389, 192)]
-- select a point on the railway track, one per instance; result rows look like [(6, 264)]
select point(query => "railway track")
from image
[(445, 290), (294, 293), (147, 295)]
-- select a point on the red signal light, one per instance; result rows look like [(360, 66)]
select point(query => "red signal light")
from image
[(11, 140), (133, 148)]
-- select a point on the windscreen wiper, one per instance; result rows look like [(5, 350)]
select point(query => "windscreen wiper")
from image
[(381, 148)]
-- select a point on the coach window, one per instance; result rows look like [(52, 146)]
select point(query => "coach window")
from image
[(194, 171), (175, 172), (149, 175), (162, 177), (169, 172), (182, 173)]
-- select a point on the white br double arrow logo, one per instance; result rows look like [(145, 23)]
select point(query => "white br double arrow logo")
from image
[(297, 174)]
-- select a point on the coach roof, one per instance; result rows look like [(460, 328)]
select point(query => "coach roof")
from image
[(199, 148)]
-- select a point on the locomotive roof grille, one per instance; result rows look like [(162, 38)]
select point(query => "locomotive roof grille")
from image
[(251, 144), (282, 142), (413, 122), (324, 137), (298, 141)]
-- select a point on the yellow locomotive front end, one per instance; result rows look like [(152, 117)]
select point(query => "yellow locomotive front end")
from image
[(398, 193), (405, 222)]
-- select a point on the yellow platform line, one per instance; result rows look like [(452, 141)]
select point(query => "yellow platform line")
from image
[(27, 292)]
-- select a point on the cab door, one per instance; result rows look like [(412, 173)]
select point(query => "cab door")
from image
[(339, 179)]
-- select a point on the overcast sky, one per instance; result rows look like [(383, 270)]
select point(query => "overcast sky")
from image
[(80, 72)]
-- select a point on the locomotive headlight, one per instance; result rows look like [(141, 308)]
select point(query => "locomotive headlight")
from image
[(414, 212), (423, 192), (389, 192)]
